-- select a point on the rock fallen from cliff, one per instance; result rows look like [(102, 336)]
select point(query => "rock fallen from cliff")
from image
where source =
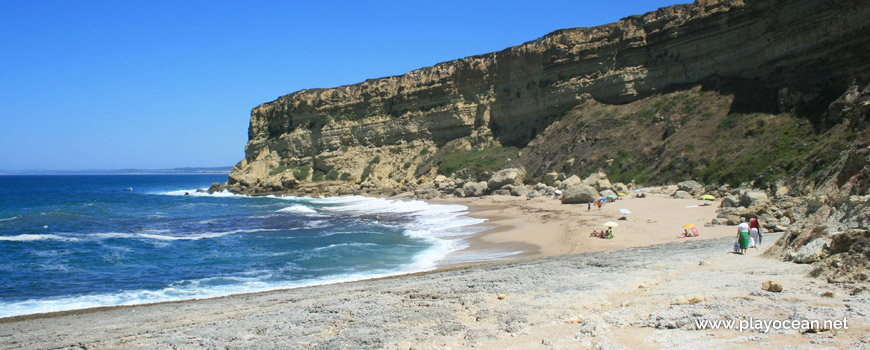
[(510, 176), (620, 187), (598, 180), (772, 286), (682, 195), (473, 189), (579, 194), (809, 253), (691, 186), (750, 198), (519, 191), (570, 181), (730, 202)]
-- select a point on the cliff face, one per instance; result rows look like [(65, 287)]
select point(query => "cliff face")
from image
[(770, 57)]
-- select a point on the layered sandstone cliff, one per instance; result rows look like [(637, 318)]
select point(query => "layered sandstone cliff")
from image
[(772, 57)]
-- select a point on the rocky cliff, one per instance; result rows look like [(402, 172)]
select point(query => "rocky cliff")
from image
[(652, 98)]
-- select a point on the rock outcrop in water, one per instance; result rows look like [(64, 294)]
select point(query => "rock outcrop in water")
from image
[(649, 86)]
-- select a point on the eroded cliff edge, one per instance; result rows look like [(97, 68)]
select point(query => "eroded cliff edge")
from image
[(657, 97)]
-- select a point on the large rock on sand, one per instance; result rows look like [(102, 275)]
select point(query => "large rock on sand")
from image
[(682, 195), (474, 189), (598, 180), (571, 181), (510, 176), (579, 194), (691, 186), (749, 198)]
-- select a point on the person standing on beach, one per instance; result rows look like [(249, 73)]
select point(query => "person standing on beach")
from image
[(755, 231), (588, 206), (743, 235)]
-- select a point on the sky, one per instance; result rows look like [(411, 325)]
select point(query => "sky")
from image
[(88, 85)]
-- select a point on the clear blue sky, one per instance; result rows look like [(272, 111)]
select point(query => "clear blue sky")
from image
[(164, 84)]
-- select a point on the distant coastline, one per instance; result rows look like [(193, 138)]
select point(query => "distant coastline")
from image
[(174, 171)]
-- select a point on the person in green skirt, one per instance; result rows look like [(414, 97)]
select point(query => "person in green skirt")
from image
[(743, 235)]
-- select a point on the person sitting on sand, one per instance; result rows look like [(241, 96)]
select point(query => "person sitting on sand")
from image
[(685, 234), (694, 232), (594, 233)]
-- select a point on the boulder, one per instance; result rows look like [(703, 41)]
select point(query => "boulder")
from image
[(730, 202), (579, 194), (571, 181), (691, 186), (620, 187), (474, 189), (518, 191), (440, 178), (810, 252), (510, 176), (598, 180), (682, 195), (215, 187), (551, 178), (749, 198), (502, 192), (771, 286), (781, 191), (540, 187)]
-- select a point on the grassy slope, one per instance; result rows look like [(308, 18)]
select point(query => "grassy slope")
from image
[(689, 134)]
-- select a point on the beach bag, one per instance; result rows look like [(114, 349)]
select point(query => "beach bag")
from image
[(737, 247)]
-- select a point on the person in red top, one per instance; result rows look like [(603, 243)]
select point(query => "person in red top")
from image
[(755, 224)]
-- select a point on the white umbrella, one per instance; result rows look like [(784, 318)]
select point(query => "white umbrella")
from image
[(625, 211), (610, 224)]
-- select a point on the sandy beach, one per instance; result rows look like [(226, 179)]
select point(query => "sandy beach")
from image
[(543, 226), (644, 289)]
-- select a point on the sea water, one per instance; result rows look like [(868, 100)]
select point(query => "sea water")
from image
[(70, 242)]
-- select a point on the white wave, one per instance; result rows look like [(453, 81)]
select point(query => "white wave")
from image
[(197, 236), (340, 245), (165, 235), (298, 208), (10, 219), (37, 237), (194, 193), (442, 225), (183, 290)]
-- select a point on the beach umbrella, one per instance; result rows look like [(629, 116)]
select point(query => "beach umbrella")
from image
[(612, 196), (621, 194), (610, 224), (708, 197), (688, 226), (624, 211)]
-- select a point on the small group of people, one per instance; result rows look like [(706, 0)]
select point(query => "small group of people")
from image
[(605, 234), (640, 195), (748, 235)]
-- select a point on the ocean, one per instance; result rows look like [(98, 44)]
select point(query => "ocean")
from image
[(71, 242)]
